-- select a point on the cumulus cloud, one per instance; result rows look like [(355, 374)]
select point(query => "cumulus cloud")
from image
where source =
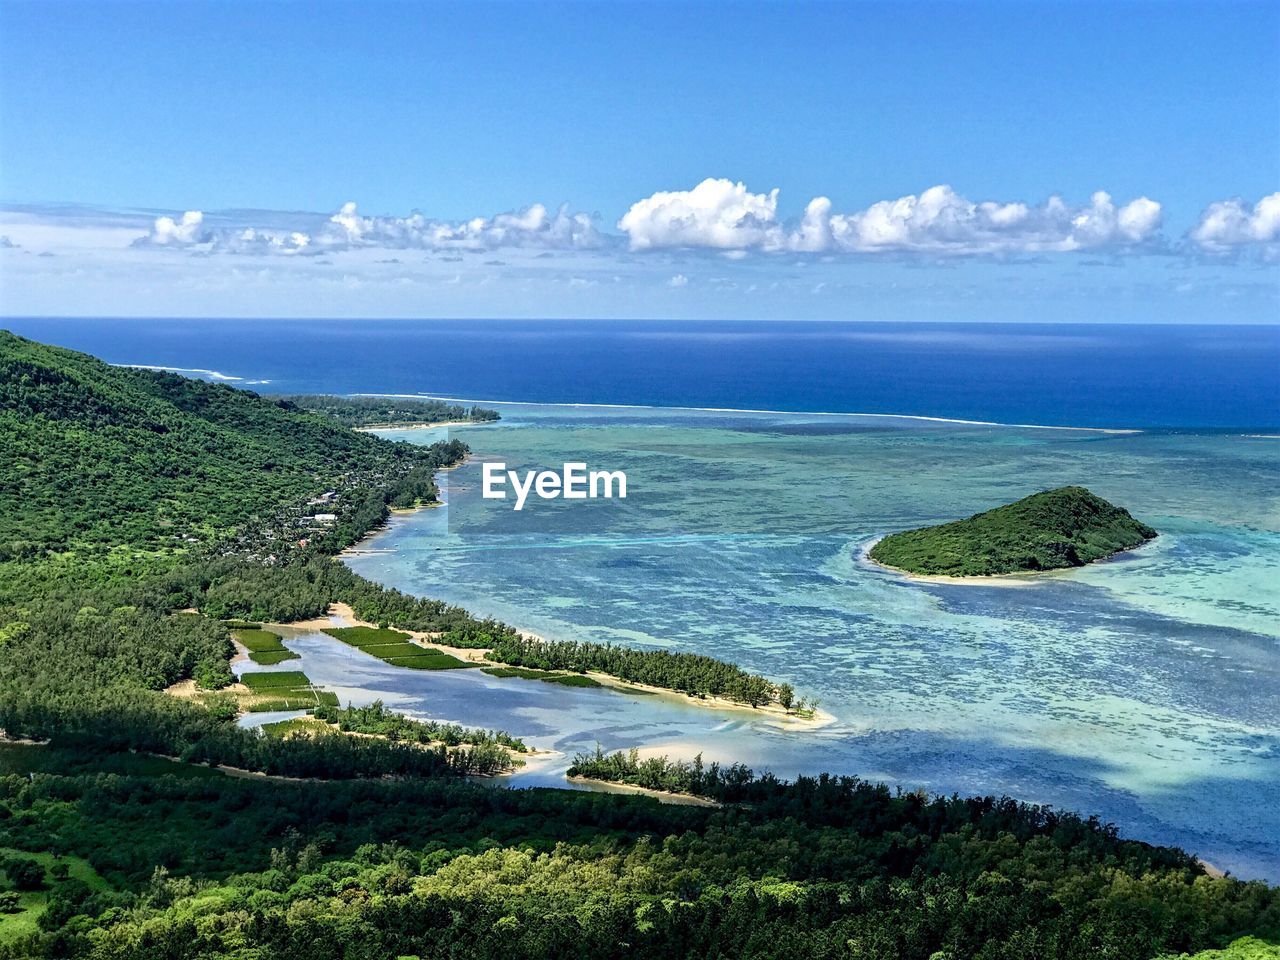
[(679, 280), (1232, 225), (533, 227), (939, 220), (719, 214), (723, 215)]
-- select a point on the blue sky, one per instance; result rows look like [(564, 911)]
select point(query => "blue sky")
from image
[(930, 161)]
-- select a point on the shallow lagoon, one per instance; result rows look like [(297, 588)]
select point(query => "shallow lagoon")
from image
[(1145, 689)]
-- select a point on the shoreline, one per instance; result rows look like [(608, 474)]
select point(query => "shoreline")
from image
[(662, 796), (375, 427), (1021, 578), (782, 413), (341, 615)]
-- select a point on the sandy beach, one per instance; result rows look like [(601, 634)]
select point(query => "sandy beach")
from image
[(374, 427)]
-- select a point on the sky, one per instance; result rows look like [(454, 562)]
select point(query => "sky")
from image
[(863, 160)]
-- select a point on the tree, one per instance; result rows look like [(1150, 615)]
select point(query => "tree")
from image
[(786, 696), (10, 901), (23, 873)]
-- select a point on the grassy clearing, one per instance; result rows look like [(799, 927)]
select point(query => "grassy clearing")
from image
[(290, 700), (33, 902), (547, 676), (261, 640), (367, 636), (282, 728)]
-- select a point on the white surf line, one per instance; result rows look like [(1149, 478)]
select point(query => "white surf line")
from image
[(212, 374), (780, 413)]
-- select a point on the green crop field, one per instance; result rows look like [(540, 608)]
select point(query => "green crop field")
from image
[(386, 651), (430, 661), (276, 679), (367, 636)]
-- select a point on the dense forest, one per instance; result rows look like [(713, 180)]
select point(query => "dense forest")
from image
[(826, 867), (130, 499), (386, 411), (689, 673), (1066, 527)]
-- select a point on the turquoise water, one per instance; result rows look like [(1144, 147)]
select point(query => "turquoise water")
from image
[(1145, 689)]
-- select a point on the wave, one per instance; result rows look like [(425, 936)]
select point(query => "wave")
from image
[(750, 410), (198, 371)]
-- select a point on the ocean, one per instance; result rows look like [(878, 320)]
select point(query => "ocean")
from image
[(1100, 375), (1145, 689)]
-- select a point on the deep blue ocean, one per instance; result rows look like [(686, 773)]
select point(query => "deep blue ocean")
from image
[(1106, 375)]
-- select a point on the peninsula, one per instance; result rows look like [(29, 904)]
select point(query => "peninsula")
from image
[(1053, 530)]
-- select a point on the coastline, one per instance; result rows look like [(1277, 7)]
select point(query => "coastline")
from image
[(341, 615), (375, 427), (781, 413), (662, 796), (1024, 578)]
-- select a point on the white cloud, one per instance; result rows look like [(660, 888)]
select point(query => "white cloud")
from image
[(180, 233), (941, 221), (723, 215), (1229, 225), (719, 214), (348, 229), (679, 280)]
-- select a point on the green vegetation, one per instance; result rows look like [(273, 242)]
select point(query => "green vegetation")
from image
[(672, 776), (127, 496), (284, 690), (34, 879), (387, 411), (430, 660), (269, 658), (1066, 527), (265, 647), (367, 636), (377, 719), (257, 639), (524, 673), (690, 673), (394, 647), (188, 463), (1246, 948), (824, 868), (277, 680)]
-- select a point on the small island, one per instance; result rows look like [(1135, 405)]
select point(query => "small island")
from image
[(1052, 530)]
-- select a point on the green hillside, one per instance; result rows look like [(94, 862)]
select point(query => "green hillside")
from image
[(1066, 527), (99, 457)]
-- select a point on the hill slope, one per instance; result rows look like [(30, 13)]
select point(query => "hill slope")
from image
[(101, 456), (1066, 527)]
